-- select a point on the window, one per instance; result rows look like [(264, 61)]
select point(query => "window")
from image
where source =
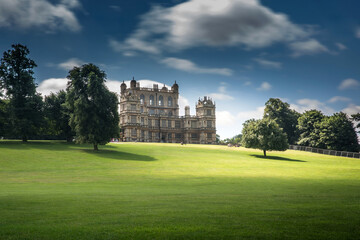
[(142, 121), (163, 123), (169, 136), (178, 135), (209, 135), (133, 119), (194, 135), (161, 100), (156, 123), (162, 112), (193, 124), (170, 102), (149, 123), (169, 123), (170, 113), (142, 133), (208, 112), (133, 132), (142, 99), (177, 124), (151, 100), (141, 109), (208, 124), (151, 111), (133, 107)]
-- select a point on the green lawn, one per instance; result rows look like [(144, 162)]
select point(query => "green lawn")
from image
[(53, 190)]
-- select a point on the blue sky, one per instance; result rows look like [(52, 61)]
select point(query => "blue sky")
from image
[(239, 52)]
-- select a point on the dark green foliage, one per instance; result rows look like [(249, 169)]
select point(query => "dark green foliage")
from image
[(285, 117), (93, 108), (3, 117), (356, 119), (309, 127), (337, 133), (236, 140), (57, 116), (264, 134), (25, 105)]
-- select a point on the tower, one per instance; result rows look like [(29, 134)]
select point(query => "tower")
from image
[(205, 111)]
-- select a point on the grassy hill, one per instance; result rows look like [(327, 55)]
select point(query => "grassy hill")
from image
[(53, 190)]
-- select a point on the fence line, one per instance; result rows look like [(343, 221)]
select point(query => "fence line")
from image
[(325, 151)]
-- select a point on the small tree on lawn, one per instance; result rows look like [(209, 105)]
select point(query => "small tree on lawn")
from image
[(93, 108), (264, 134)]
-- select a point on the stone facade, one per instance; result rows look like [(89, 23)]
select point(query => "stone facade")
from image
[(152, 115)]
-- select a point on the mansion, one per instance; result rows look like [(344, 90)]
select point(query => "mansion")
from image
[(152, 115)]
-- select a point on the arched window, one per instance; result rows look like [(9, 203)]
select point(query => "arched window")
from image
[(151, 100), (142, 99), (170, 102), (161, 100)]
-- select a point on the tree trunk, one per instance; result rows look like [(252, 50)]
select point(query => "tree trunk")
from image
[(96, 147), (24, 139), (264, 153), (69, 139)]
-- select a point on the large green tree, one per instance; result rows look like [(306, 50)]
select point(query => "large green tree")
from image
[(285, 117), (309, 128), (337, 133), (57, 116), (93, 108), (25, 105), (264, 134), (356, 118)]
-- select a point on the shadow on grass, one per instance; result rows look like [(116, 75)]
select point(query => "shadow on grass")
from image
[(104, 151), (277, 158), (117, 155)]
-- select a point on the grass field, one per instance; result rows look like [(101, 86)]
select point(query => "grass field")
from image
[(52, 190)]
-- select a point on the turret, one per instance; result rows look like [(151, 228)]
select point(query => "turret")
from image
[(175, 87), (187, 111), (122, 87), (133, 83)]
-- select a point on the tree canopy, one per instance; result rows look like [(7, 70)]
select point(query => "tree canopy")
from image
[(286, 118), (93, 108), (309, 127), (25, 105), (264, 134), (337, 133)]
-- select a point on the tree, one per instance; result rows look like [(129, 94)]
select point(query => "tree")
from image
[(285, 117), (356, 118), (57, 115), (93, 108), (309, 128), (264, 134), (25, 105), (337, 133)]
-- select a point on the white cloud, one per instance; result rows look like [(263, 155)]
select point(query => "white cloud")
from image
[(351, 109), (349, 83), (341, 46), (224, 118), (52, 85), (247, 83), (188, 66), (268, 64), (26, 14), (256, 114), (308, 47), (265, 86), (338, 99), (305, 104), (213, 23), (71, 63), (221, 94), (357, 32)]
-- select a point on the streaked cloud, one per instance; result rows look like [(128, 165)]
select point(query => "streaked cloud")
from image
[(338, 99), (305, 104), (222, 93), (349, 83), (26, 14), (52, 85), (351, 109), (71, 63), (340, 46), (268, 64), (188, 66), (212, 23), (308, 47), (357, 32), (265, 86)]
